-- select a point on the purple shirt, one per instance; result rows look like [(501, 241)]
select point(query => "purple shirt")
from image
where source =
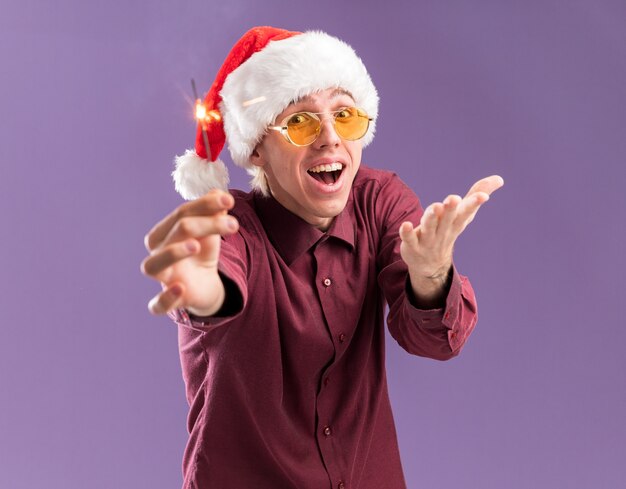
[(287, 388)]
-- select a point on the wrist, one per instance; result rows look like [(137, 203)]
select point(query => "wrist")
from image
[(210, 310), (430, 291)]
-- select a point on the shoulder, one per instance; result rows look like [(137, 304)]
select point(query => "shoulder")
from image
[(250, 228), (242, 199), (373, 177), (383, 199), (379, 185), (244, 208)]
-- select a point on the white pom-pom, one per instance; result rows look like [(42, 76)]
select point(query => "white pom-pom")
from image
[(195, 176)]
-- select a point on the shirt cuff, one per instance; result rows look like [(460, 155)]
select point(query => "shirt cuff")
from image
[(446, 315)]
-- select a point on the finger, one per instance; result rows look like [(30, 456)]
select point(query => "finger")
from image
[(168, 256), (430, 221), (213, 202), (408, 234), (450, 205), (200, 227), (487, 185), (468, 208), (167, 300)]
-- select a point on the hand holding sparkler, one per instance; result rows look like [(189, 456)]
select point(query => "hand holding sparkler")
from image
[(184, 252), (185, 246)]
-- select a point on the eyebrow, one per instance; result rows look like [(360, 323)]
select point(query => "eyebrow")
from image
[(337, 92), (340, 91)]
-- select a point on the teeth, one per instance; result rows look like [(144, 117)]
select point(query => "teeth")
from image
[(332, 167)]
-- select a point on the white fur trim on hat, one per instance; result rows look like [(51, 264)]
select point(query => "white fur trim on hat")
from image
[(285, 71), (195, 176)]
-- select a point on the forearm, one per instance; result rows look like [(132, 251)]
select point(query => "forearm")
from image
[(231, 285), (438, 332)]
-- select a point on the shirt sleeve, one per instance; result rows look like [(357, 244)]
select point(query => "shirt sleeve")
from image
[(436, 333), (232, 268)]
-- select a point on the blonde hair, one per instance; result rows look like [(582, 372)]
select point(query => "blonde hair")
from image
[(259, 180)]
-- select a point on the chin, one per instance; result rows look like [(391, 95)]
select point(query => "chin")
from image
[(333, 208)]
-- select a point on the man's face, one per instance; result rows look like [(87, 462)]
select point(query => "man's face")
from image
[(294, 173)]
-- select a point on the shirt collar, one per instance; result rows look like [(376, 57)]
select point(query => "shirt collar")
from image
[(291, 235)]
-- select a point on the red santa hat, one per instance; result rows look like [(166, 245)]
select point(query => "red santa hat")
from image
[(265, 71)]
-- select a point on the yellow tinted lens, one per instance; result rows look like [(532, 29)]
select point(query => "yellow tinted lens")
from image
[(303, 128), (351, 123)]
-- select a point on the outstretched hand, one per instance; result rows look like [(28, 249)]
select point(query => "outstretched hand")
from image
[(184, 252), (427, 248)]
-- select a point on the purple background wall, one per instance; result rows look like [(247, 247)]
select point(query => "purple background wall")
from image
[(94, 104)]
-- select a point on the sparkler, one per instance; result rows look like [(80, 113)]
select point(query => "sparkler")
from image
[(204, 117)]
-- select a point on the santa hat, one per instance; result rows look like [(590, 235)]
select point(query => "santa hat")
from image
[(266, 70)]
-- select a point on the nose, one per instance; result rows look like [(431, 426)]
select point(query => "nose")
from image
[(328, 136)]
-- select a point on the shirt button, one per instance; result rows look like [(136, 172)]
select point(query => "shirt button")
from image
[(342, 337), (327, 431), (341, 485), (326, 380), (453, 335), (327, 282), (446, 315)]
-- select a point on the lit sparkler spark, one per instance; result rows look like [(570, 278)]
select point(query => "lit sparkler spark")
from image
[(200, 110), (203, 117), (253, 101)]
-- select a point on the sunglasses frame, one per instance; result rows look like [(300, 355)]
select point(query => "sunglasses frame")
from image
[(284, 129)]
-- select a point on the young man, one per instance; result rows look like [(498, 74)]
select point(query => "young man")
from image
[(279, 293)]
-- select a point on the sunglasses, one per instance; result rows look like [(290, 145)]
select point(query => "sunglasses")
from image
[(302, 128)]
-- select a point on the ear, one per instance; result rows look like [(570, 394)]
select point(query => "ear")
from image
[(256, 158)]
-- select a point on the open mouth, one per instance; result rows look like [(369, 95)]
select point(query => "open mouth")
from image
[(327, 174)]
